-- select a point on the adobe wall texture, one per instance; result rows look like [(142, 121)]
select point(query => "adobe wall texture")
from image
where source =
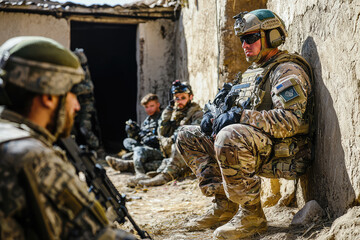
[(207, 51), (326, 33), (156, 61), (22, 24)]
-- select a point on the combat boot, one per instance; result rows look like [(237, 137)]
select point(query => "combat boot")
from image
[(120, 165), (221, 212), (152, 174), (158, 180), (249, 220), (134, 181)]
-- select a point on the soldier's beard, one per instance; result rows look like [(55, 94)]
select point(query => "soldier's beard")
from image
[(69, 122)]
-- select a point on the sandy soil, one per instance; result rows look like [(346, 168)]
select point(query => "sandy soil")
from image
[(163, 211)]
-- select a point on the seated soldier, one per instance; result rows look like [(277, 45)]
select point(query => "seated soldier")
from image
[(181, 111), (142, 142)]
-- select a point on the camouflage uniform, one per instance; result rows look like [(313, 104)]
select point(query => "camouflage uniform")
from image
[(268, 140), (171, 120), (86, 124), (144, 146), (41, 195), (28, 160)]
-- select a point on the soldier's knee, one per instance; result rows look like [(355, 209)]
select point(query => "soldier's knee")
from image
[(230, 134)]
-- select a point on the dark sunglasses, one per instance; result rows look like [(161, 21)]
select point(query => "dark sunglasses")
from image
[(180, 98), (250, 38)]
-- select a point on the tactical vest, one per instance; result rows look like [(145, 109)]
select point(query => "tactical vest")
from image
[(254, 89), (290, 156)]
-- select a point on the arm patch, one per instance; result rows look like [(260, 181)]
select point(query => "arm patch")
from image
[(286, 90)]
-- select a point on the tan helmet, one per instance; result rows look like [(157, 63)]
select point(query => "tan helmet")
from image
[(40, 65), (267, 23)]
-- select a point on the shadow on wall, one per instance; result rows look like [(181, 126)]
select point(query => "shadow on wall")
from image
[(181, 53), (328, 181)]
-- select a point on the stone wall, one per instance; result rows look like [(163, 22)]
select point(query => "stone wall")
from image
[(327, 33), (23, 24)]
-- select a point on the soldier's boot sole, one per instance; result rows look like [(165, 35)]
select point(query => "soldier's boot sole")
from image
[(134, 181), (230, 232), (159, 180)]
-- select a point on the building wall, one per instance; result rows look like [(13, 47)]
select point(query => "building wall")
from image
[(22, 24), (156, 62), (207, 51), (326, 32)]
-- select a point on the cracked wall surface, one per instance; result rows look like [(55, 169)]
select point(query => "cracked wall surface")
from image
[(327, 34)]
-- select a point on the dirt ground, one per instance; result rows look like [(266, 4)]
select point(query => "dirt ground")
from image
[(163, 211)]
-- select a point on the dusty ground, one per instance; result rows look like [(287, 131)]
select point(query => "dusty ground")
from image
[(163, 211)]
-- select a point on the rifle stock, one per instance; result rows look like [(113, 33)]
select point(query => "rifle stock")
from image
[(98, 182)]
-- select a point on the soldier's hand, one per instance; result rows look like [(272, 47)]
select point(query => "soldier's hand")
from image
[(224, 120), (206, 123)]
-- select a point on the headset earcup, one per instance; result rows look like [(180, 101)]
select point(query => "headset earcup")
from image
[(274, 38)]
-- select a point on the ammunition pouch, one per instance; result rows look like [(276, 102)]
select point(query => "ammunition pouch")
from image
[(290, 159)]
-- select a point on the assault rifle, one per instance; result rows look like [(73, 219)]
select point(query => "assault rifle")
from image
[(98, 182)]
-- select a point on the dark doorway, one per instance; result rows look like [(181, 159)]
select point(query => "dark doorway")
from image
[(111, 52)]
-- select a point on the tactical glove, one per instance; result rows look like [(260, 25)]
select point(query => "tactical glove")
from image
[(220, 96), (225, 119), (131, 128), (206, 125)]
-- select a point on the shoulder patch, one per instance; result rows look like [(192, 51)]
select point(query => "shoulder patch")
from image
[(289, 94)]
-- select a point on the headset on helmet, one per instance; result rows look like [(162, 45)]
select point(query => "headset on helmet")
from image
[(270, 26)]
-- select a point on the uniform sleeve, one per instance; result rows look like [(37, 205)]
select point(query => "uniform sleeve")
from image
[(64, 196), (165, 125), (290, 88)]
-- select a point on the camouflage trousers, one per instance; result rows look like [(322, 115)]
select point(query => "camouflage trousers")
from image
[(234, 161), (146, 159), (130, 144), (175, 166)]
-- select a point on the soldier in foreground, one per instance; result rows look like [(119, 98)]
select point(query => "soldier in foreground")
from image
[(256, 126), (41, 195), (142, 142), (181, 111)]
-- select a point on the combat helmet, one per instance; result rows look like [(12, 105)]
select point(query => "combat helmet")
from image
[(40, 65), (181, 87), (270, 26)]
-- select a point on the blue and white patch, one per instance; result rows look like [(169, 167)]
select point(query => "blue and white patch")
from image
[(289, 94)]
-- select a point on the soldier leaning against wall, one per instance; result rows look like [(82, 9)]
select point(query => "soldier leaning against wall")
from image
[(41, 195), (257, 126)]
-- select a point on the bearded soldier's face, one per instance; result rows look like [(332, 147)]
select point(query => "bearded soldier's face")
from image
[(71, 106), (181, 99)]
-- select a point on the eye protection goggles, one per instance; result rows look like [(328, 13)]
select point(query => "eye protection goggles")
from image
[(250, 38)]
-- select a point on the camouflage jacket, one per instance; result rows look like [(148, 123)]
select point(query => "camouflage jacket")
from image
[(282, 110), (41, 194), (171, 119)]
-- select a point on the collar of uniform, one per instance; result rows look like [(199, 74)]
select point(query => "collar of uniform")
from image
[(35, 130), (272, 59)]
